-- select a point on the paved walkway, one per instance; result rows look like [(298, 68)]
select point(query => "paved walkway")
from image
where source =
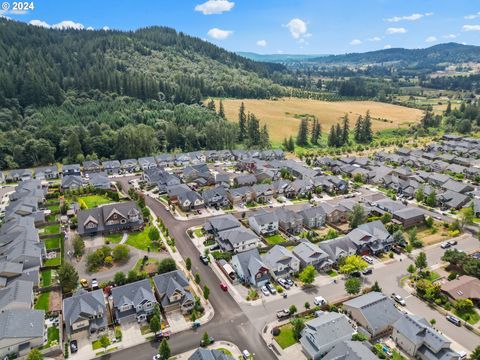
[(124, 238)]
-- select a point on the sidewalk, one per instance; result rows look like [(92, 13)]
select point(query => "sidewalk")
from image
[(291, 352)]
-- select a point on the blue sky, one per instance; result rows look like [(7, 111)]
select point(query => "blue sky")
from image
[(278, 26)]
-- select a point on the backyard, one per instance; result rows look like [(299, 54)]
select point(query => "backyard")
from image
[(43, 301), (53, 243), (54, 261), (91, 201), (53, 336), (274, 239), (46, 277), (140, 240), (50, 229)]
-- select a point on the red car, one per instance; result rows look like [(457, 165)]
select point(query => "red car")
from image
[(223, 286)]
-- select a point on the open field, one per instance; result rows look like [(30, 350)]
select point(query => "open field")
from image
[(282, 116)]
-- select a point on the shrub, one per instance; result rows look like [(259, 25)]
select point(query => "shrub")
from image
[(276, 331)]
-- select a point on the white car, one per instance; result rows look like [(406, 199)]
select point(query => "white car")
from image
[(265, 291), (399, 299), (368, 259), (156, 357), (319, 300), (246, 355)]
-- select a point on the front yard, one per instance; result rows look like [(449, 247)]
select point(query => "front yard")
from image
[(113, 238), (274, 239), (471, 317), (429, 236), (91, 201), (150, 266)]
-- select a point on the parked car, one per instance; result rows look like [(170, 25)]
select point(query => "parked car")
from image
[(445, 245), (284, 283), (368, 259), (223, 286), (246, 355), (265, 291), (283, 314), (454, 320), (204, 259), (319, 300), (164, 334), (367, 271), (84, 283), (398, 299), (211, 340), (94, 284), (453, 242), (290, 282), (73, 346), (271, 288), (196, 324), (356, 274)]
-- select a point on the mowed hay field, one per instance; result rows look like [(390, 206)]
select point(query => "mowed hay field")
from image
[(282, 116)]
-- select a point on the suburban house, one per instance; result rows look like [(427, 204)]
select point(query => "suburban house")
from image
[(338, 247), (240, 195), (207, 354), (237, 239), (189, 200), (46, 172), (19, 175), (161, 178), (409, 217), (112, 167), (20, 331), (71, 182), (133, 302), (72, 169), (90, 166), (147, 163), (129, 165), (110, 218), (173, 292), (244, 180), (263, 192), (263, 222), (371, 238), (250, 268), (85, 314), (17, 295), (323, 333), (217, 224), (281, 262), (100, 180), (416, 337), (350, 350), (374, 312), (334, 214), (216, 196), (313, 217), (464, 287), (310, 254), (289, 221)]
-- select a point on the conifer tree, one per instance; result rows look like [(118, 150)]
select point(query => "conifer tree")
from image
[(367, 128), (211, 105), (358, 131), (345, 129), (221, 110), (264, 138), (291, 144), (316, 132), (302, 137), (332, 136), (338, 135), (242, 122)]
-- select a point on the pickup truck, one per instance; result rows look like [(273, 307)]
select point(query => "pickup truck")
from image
[(283, 314)]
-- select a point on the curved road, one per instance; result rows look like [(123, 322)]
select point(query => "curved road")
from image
[(229, 322)]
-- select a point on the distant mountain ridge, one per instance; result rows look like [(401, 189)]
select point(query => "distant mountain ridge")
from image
[(278, 58), (441, 53)]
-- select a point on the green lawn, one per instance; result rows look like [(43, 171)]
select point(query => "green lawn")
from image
[(54, 208), (53, 334), (51, 218), (91, 201), (140, 239), (198, 232), (57, 261), (472, 317), (96, 345), (46, 278), (225, 351), (285, 339), (433, 276), (43, 302), (275, 239), (114, 238), (150, 261), (53, 243), (50, 229), (332, 273)]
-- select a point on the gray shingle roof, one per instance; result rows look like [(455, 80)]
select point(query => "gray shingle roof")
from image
[(17, 294), (206, 354), (134, 293), (350, 350), (22, 323)]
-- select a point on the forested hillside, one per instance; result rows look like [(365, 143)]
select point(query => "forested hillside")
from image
[(37, 65), (69, 95)]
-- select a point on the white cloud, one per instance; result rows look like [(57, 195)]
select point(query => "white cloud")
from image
[(262, 43), (219, 34), (471, 27), (63, 25), (90, 28), (387, 47), (215, 7), (396, 30), (355, 42), (105, 28), (375, 38), (39, 23), (473, 16), (413, 17), (449, 36), (430, 39), (298, 28)]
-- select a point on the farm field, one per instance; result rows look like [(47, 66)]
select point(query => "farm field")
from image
[(282, 116)]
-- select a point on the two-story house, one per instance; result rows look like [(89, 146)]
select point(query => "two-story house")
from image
[(173, 292), (281, 262), (133, 302), (263, 222), (250, 268)]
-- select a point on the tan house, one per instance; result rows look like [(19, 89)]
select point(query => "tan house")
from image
[(465, 287)]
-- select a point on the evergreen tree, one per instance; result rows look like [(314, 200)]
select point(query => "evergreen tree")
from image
[(345, 129), (332, 140), (253, 130), (221, 110), (358, 130), (264, 138), (242, 122), (449, 108), (367, 128), (291, 144), (211, 105), (302, 137), (338, 135), (315, 132), (164, 350)]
